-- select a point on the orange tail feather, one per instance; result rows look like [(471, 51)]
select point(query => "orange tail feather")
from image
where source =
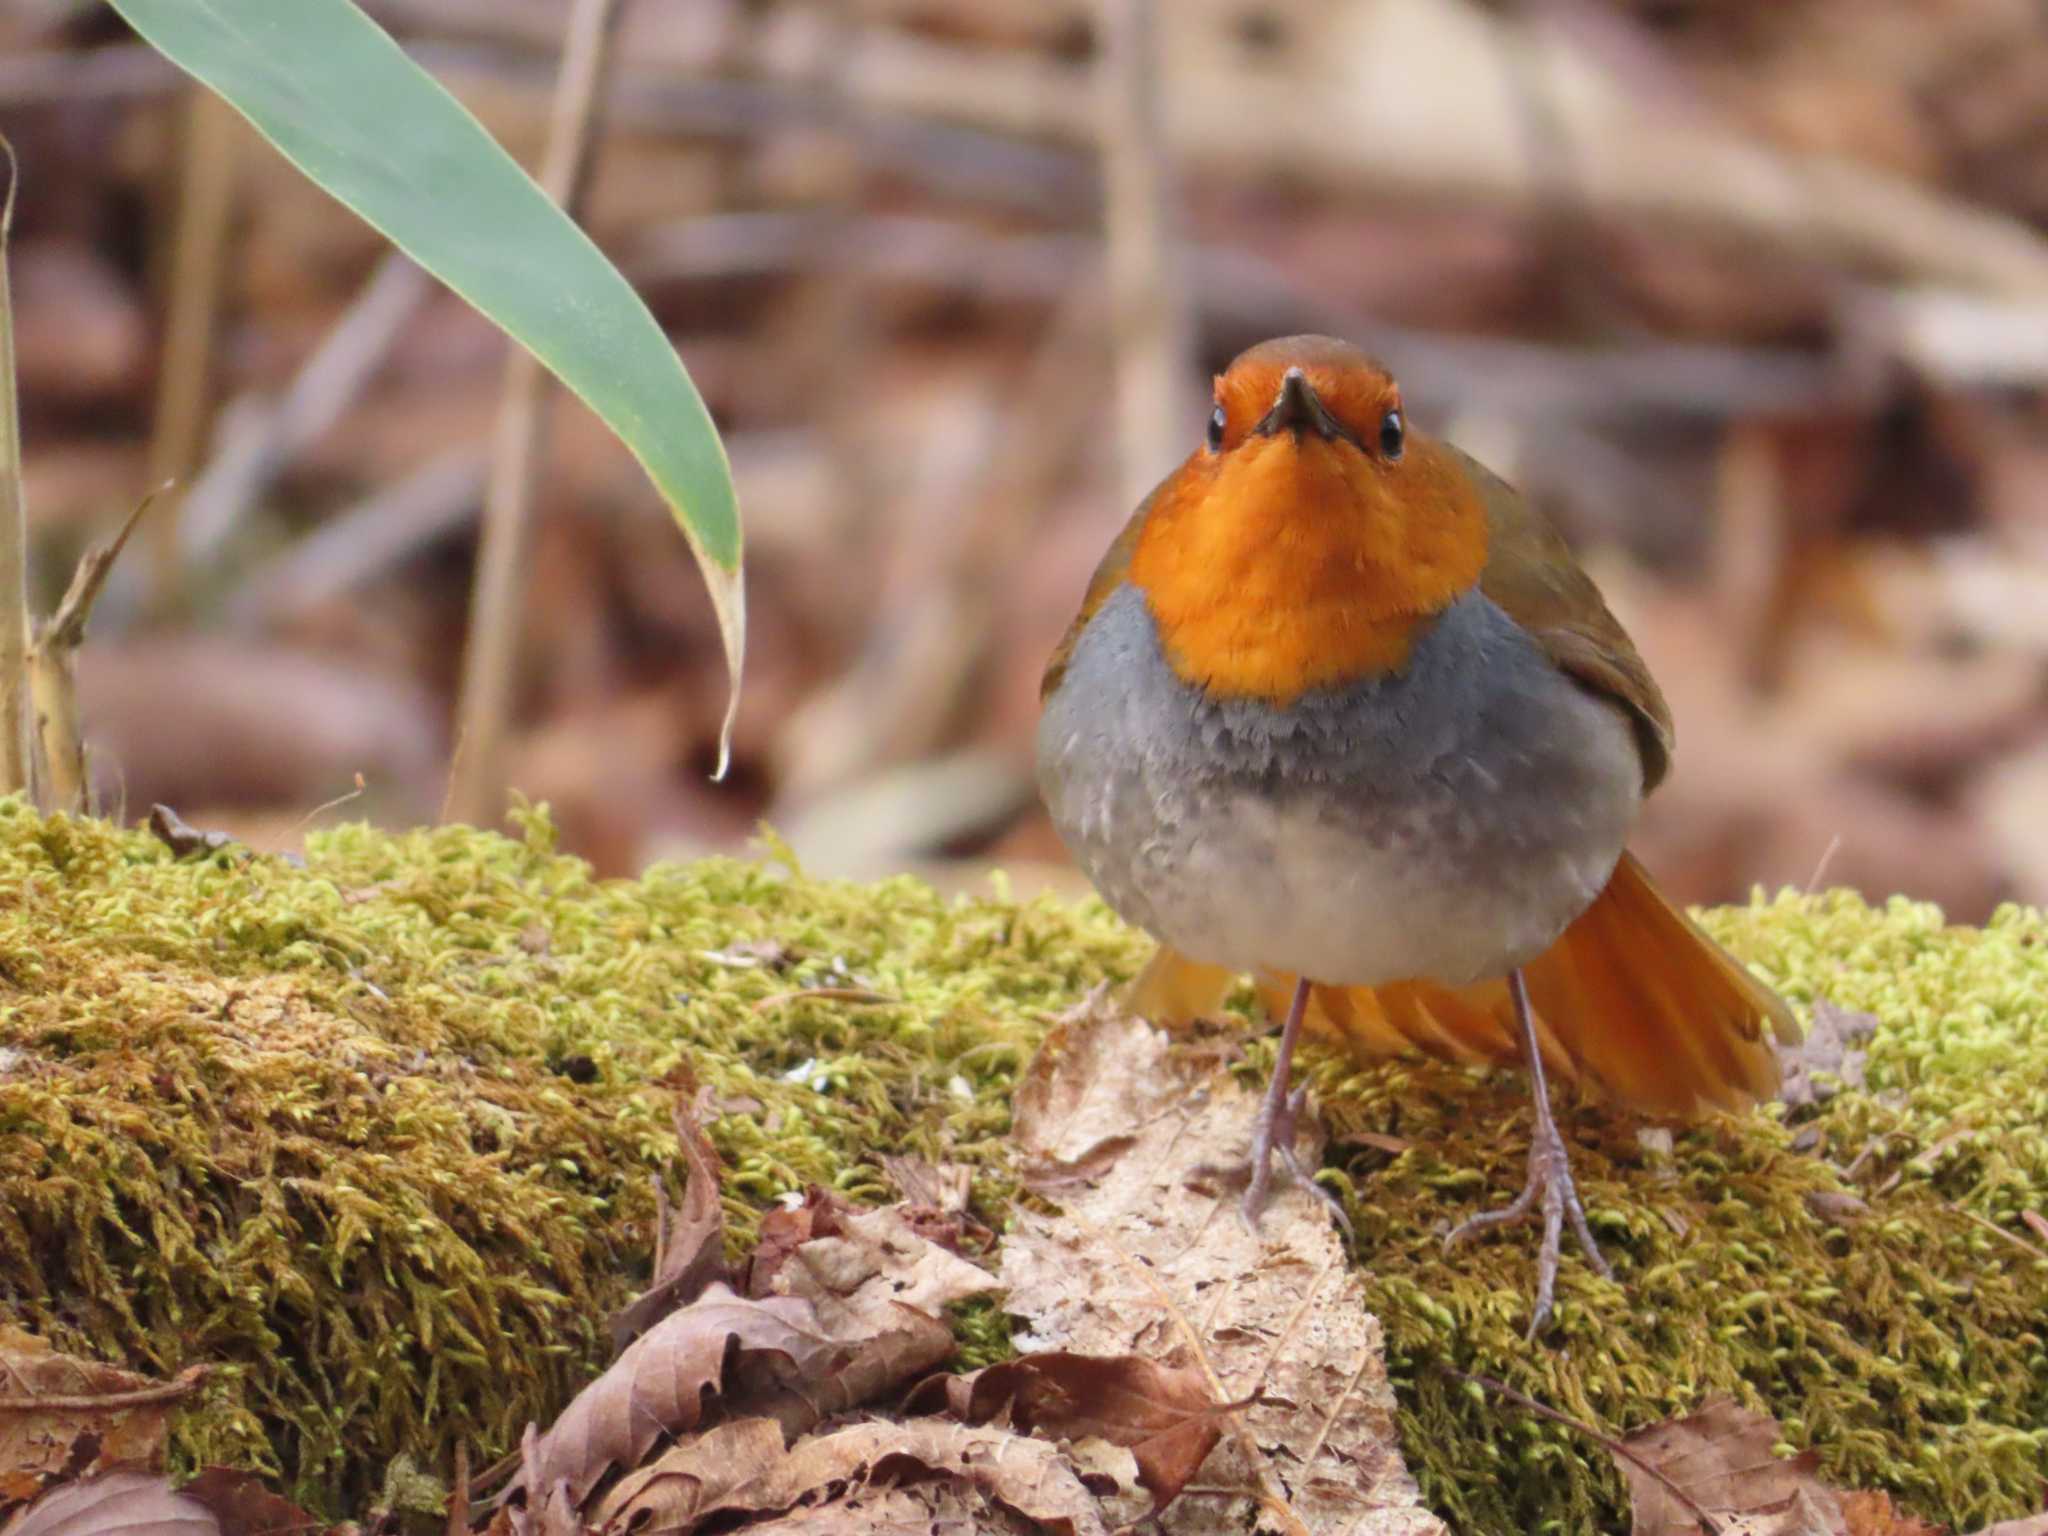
[(1633, 1000)]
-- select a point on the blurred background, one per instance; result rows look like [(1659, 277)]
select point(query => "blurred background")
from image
[(1750, 295)]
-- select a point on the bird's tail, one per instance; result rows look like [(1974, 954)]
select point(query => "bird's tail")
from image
[(1633, 1000)]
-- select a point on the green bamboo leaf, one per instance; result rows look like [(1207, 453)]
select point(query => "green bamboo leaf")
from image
[(343, 103)]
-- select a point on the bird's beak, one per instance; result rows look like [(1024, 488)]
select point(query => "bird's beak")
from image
[(1296, 409)]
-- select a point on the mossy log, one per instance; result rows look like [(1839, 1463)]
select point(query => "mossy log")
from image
[(377, 1135)]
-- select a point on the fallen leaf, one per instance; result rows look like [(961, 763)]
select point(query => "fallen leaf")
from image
[(63, 1416), (1141, 1260), (665, 1380), (690, 1245), (942, 1186), (787, 1228), (1163, 1415), (1829, 1048), (741, 1469), (181, 837), (1874, 1514), (242, 1506), (1720, 1459), (2030, 1525), (876, 1263), (130, 1503)]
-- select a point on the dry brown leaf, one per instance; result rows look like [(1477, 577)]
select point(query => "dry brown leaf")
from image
[(664, 1381), (1829, 1047), (942, 1186), (875, 1264), (1143, 1260), (242, 1506), (1163, 1415), (1874, 1514), (1720, 1458), (78, 1437), (787, 1228), (880, 1288), (742, 1469), (127, 1503), (690, 1251)]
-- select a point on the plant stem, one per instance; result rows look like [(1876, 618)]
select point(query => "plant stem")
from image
[(476, 779)]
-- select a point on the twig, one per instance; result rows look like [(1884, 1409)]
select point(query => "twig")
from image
[(258, 438), (861, 995), (199, 241), (490, 658), (64, 781), (2011, 1237), (361, 542), (1148, 315), (1708, 1524), (184, 1384), (14, 684)]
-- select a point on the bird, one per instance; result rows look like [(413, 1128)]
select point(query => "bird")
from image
[(1341, 711)]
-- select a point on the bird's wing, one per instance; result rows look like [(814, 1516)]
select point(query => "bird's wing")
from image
[(1109, 575), (1531, 574)]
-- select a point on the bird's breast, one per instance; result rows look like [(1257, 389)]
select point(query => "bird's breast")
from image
[(1446, 821)]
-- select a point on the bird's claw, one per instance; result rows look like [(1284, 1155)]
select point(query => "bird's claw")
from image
[(1273, 1137), (1550, 1183)]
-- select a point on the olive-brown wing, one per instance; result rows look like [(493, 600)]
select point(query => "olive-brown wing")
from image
[(1534, 577)]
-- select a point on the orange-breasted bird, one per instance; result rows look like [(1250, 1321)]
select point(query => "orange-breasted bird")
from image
[(1341, 710)]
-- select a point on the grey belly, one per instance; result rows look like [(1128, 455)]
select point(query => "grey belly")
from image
[(1447, 822)]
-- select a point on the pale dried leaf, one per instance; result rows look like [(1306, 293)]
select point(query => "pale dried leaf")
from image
[(942, 1186), (1145, 1260), (114, 1504), (1721, 1459), (663, 1381), (40, 1442), (858, 1279), (691, 1253), (1829, 1050), (2029, 1525), (741, 1469), (1163, 1415)]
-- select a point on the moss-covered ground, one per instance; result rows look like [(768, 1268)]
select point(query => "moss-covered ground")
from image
[(377, 1135)]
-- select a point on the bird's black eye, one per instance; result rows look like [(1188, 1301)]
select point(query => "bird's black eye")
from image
[(1218, 420), (1393, 434)]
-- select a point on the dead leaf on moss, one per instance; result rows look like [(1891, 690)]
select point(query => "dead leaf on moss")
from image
[(665, 1380), (861, 1276), (787, 1228), (1874, 1514), (742, 1469), (242, 1506), (690, 1238), (61, 1416), (132, 1503), (1829, 1048), (1720, 1458), (942, 1186), (1163, 1415), (1140, 1261)]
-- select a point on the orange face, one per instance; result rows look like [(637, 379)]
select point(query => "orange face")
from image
[(1307, 543)]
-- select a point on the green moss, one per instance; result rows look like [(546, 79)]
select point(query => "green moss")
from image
[(377, 1135), (1908, 1347)]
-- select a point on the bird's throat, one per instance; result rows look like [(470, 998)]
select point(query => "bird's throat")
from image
[(1286, 566)]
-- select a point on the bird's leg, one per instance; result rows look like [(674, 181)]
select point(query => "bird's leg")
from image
[(1550, 1177), (1273, 1133)]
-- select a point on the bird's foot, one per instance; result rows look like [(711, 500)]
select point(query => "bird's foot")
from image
[(1550, 1185), (1273, 1138)]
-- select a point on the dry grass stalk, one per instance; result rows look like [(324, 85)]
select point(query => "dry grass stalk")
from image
[(13, 532), (476, 787)]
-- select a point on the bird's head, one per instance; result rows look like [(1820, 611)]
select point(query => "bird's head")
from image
[(1312, 536)]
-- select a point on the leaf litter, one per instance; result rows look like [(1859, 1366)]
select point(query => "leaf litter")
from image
[(1141, 1258)]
